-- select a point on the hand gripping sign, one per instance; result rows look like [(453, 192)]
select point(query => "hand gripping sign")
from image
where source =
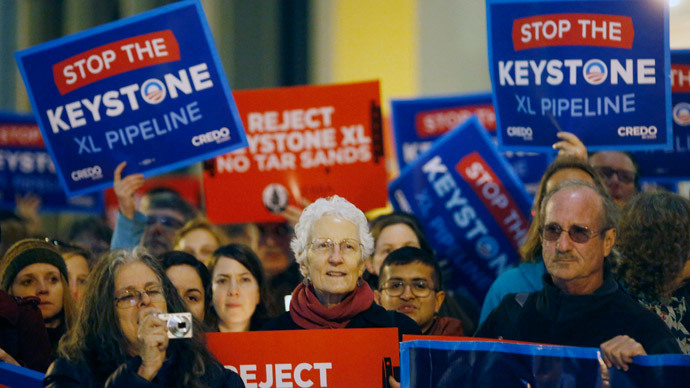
[(418, 122), (471, 205), (672, 165), (148, 90), (26, 168), (305, 142), (309, 358), (596, 68)]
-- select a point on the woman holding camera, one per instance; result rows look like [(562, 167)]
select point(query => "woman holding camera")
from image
[(119, 340)]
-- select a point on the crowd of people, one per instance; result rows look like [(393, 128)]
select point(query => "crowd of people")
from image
[(602, 266)]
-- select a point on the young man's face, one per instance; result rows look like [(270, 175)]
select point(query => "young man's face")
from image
[(410, 289)]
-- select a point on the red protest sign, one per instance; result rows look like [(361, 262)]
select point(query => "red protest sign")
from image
[(308, 358), (305, 142)]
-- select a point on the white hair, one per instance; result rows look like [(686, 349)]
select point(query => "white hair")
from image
[(335, 206)]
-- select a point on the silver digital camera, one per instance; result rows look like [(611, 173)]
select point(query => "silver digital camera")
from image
[(179, 324)]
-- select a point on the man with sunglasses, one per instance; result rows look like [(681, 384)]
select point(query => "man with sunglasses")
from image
[(162, 213), (410, 283), (619, 172), (581, 303)]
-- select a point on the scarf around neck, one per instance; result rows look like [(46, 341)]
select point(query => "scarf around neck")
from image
[(307, 311)]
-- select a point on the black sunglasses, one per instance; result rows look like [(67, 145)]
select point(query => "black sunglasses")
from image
[(625, 176)]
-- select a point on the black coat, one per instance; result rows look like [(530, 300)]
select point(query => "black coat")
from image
[(373, 317), (65, 374), (553, 317)]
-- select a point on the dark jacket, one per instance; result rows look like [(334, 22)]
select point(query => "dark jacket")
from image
[(373, 317), (22, 332), (65, 374), (553, 317), (446, 326)]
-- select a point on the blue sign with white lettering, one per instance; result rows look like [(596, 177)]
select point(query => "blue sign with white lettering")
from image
[(471, 205), (597, 68), (672, 165), (418, 122), (148, 90), (26, 168)]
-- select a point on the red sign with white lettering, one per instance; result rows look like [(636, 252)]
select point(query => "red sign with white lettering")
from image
[(573, 29), (680, 78), (115, 58), (308, 358), (305, 142)]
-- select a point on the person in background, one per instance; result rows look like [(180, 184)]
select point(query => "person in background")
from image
[(78, 262), (163, 213), (397, 230), (33, 267), (91, 233), (655, 252), (581, 303), (192, 280), (239, 295), (527, 277), (618, 170), (410, 282), (331, 243), (119, 340), (199, 238)]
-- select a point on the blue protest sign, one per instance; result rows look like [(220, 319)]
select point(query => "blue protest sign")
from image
[(17, 377), (26, 168), (418, 122), (672, 165), (149, 90), (500, 364), (470, 203), (597, 68)]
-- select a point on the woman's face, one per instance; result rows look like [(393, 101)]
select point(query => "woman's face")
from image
[(334, 273), (235, 294), (392, 237), (131, 279), (78, 270), (200, 243), (41, 280), (189, 286)]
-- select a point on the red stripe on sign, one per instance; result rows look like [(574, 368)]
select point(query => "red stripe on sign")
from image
[(437, 122), (20, 135), (573, 29), (680, 78), (490, 190), (115, 58)]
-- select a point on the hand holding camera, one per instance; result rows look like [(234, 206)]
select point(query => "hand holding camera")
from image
[(153, 342)]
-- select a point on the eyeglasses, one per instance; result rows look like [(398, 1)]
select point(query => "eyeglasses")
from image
[(324, 247), (131, 297), (168, 222), (577, 233), (625, 176), (419, 288)]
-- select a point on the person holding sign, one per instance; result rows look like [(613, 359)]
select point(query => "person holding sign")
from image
[(581, 303), (331, 242), (120, 338)]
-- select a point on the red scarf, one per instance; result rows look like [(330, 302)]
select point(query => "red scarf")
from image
[(307, 311)]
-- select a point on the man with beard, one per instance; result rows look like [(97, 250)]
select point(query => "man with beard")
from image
[(581, 303), (162, 213)]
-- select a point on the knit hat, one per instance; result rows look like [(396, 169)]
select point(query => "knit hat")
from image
[(24, 253)]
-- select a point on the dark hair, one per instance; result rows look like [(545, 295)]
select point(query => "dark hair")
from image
[(654, 243), (169, 199), (381, 222), (98, 341), (70, 249), (173, 258), (409, 255), (245, 256), (94, 226), (531, 248)]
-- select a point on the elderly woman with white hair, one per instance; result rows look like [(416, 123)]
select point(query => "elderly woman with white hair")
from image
[(331, 242)]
